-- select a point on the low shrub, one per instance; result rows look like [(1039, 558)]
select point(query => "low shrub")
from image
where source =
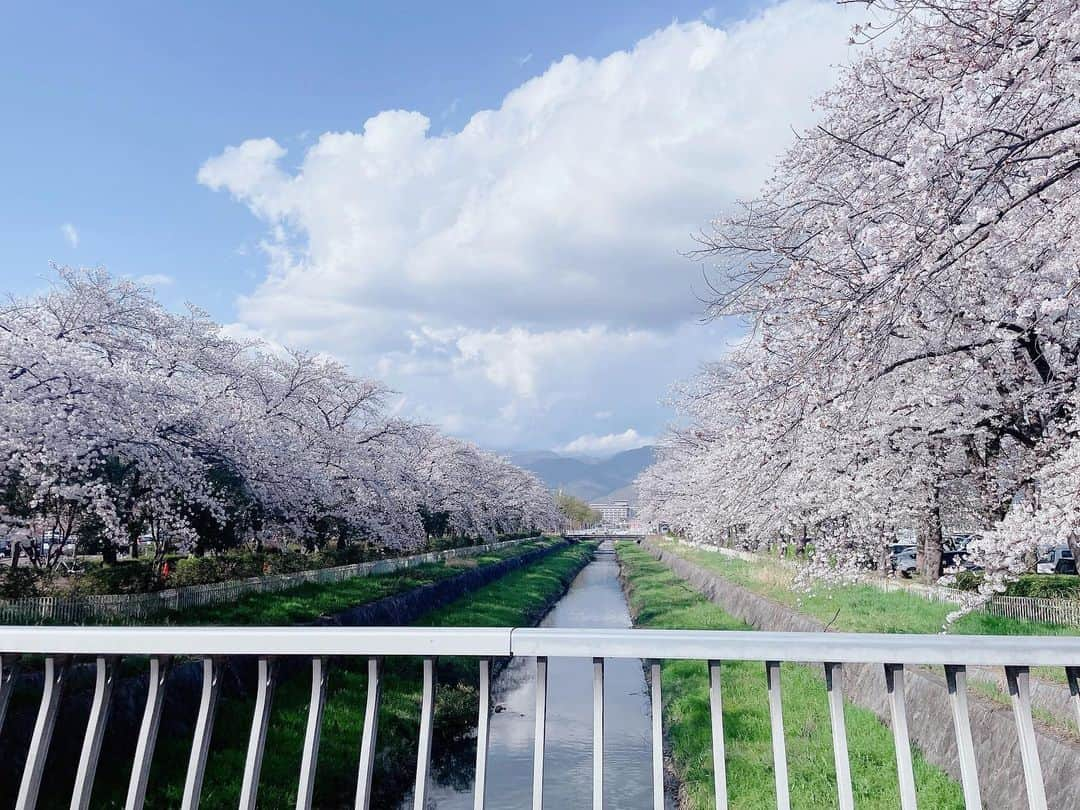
[(23, 582), (126, 576), (1042, 586), (1047, 586)]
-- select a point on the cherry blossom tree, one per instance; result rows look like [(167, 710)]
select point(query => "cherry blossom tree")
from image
[(120, 419), (909, 279)]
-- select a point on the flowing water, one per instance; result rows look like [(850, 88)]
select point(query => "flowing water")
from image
[(595, 599)]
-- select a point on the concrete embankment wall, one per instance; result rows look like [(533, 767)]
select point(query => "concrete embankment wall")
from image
[(184, 682), (993, 728)]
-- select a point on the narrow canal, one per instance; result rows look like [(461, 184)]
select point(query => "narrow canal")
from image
[(595, 599)]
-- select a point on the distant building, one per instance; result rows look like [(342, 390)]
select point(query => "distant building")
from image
[(616, 513)]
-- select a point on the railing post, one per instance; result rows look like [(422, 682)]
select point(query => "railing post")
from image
[(148, 731), (657, 698), (427, 722), (369, 734), (598, 734), (9, 668), (779, 744), (1020, 694), (894, 685), (834, 675), (541, 733), (483, 724), (260, 722), (956, 677), (204, 728), (55, 677), (1073, 674), (95, 732), (716, 715), (310, 757)]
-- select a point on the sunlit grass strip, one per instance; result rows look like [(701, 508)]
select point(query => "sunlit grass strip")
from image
[(312, 600), (858, 608), (660, 599), (518, 598)]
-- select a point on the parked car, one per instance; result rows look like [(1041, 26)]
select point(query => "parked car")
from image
[(957, 542), (903, 561), (957, 561), (1056, 560), (5, 547)]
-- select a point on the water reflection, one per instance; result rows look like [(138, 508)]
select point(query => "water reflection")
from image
[(595, 599)]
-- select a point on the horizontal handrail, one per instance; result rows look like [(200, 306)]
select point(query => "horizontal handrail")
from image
[(56, 647), (719, 645), (801, 647)]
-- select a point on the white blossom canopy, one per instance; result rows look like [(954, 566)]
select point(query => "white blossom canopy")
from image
[(120, 418), (909, 277)]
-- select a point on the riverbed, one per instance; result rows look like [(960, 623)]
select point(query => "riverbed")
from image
[(595, 599)]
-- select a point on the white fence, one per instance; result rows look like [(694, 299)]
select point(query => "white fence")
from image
[(1065, 612), (892, 653), (1031, 609), (140, 606)]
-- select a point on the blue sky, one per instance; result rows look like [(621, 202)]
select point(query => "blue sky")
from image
[(516, 278)]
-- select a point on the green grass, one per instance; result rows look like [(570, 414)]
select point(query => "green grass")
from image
[(865, 609), (859, 608), (660, 599), (312, 600), (520, 597)]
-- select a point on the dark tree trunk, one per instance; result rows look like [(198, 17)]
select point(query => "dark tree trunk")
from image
[(1073, 539), (800, 543), (932, 566), (108, 552)]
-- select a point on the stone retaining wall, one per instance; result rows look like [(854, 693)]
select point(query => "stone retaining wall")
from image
[(997, 752)]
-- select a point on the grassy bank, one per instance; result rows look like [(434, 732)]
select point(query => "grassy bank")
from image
[(865, 609), (857, 608), (659, 599), (311, 600), (519, 598)]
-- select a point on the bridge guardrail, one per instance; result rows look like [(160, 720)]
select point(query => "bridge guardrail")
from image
[(893, 653)]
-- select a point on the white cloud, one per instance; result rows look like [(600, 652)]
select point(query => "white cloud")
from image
[(520, 360), (154, 280), (510, 256), (593, 445), (71, 235)]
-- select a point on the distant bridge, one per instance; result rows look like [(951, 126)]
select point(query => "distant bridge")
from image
[(606, 534)]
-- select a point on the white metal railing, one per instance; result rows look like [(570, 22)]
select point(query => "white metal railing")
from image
[(835, 650), (140, 606)]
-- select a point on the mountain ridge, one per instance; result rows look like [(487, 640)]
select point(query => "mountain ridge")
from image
[(591, 479)]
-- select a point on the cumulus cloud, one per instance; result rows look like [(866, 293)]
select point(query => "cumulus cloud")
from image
[(543, 234), (70, 234), (518, 359), (608, 444)]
